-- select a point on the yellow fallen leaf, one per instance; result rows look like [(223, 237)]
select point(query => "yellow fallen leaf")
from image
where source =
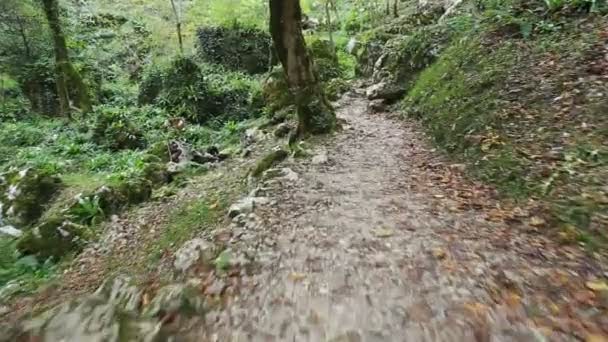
[(383, 233), (597, 285), (537, 221), (297, 276), (596, 338), (439, 253)]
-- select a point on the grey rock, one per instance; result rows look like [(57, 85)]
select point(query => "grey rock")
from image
[(320, 158), (385, 91), (282, 130), (10, 231), (191, 252), (376, 106), (289, 174), (244, 206)]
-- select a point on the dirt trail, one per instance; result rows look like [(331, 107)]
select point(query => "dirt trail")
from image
[(376, 238), (370, 245)]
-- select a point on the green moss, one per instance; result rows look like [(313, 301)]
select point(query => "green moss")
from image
[(270, 160), (25, 194), (54, 238)]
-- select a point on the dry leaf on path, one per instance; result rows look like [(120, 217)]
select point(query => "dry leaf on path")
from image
[(597, 285)]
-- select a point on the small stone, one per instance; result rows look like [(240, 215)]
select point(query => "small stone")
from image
[(244, 206), (192, 252), (282, 130), (289, 174), (320, 158), (376, 106)]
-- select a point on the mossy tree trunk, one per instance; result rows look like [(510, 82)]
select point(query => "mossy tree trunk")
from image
[(396, 8), (315, 113), (68, 80)]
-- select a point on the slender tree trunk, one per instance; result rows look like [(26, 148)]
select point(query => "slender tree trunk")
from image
[(26, 44), (396, 8), (315, 113), (68, 80), (330, 29), (388, 7), (178, 24)]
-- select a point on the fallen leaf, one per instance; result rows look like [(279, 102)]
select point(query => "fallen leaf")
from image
[(439, 253), (537, 221), (297, 276), (596, 338), (597, 285), (383, 233)]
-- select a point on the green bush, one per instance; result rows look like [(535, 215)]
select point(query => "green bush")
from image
[(236, 48), (115, 130), (202, 93)]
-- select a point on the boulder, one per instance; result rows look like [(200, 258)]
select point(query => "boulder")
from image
[(243, 206), (115, 312), (283, 130), (54, 238), (24, 195), (192, 252), (376, 106), (385, 91)]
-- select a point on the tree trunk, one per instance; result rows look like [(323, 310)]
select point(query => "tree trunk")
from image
[(68, 80), (178, 24), (396, 8), (315, 113), (329, 26), (388, 7)]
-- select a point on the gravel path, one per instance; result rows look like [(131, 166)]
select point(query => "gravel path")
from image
[(375, 238), (382, 241)]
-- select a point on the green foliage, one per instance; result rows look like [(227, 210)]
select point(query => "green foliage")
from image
[(87, 211), (202, 94), (236, 48), (18, 273), (114, 130)]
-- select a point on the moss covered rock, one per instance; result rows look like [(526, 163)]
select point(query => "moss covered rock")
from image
[(24, 195), (270, 160), (54, 238), (276, 91)]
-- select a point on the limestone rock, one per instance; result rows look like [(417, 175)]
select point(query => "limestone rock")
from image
[(385, 91), (243, 206), (192, 252), (376, 106), (282, 130), (321, 158)]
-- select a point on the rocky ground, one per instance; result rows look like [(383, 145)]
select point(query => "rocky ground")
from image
[(375, 238)]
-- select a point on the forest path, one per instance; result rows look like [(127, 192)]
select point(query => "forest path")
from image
[(384, 241)]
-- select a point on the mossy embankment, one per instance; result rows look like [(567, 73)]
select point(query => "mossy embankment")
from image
[(518, 91)]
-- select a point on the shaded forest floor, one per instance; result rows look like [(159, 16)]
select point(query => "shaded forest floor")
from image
[(376, 236)]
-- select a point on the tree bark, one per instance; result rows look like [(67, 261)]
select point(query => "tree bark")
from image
[(178, 24), (68, 80), (315, 113), (396, 8), (329, 25)]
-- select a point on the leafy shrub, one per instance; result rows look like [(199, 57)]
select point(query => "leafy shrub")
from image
[(236, 48), (202, 93), (114, 130)]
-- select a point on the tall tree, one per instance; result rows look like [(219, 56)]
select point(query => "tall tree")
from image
[(68, 80), (396, 8), (177, 12), (315, 113)]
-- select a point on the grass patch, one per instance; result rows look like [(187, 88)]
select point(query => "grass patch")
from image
[(188, 221)]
